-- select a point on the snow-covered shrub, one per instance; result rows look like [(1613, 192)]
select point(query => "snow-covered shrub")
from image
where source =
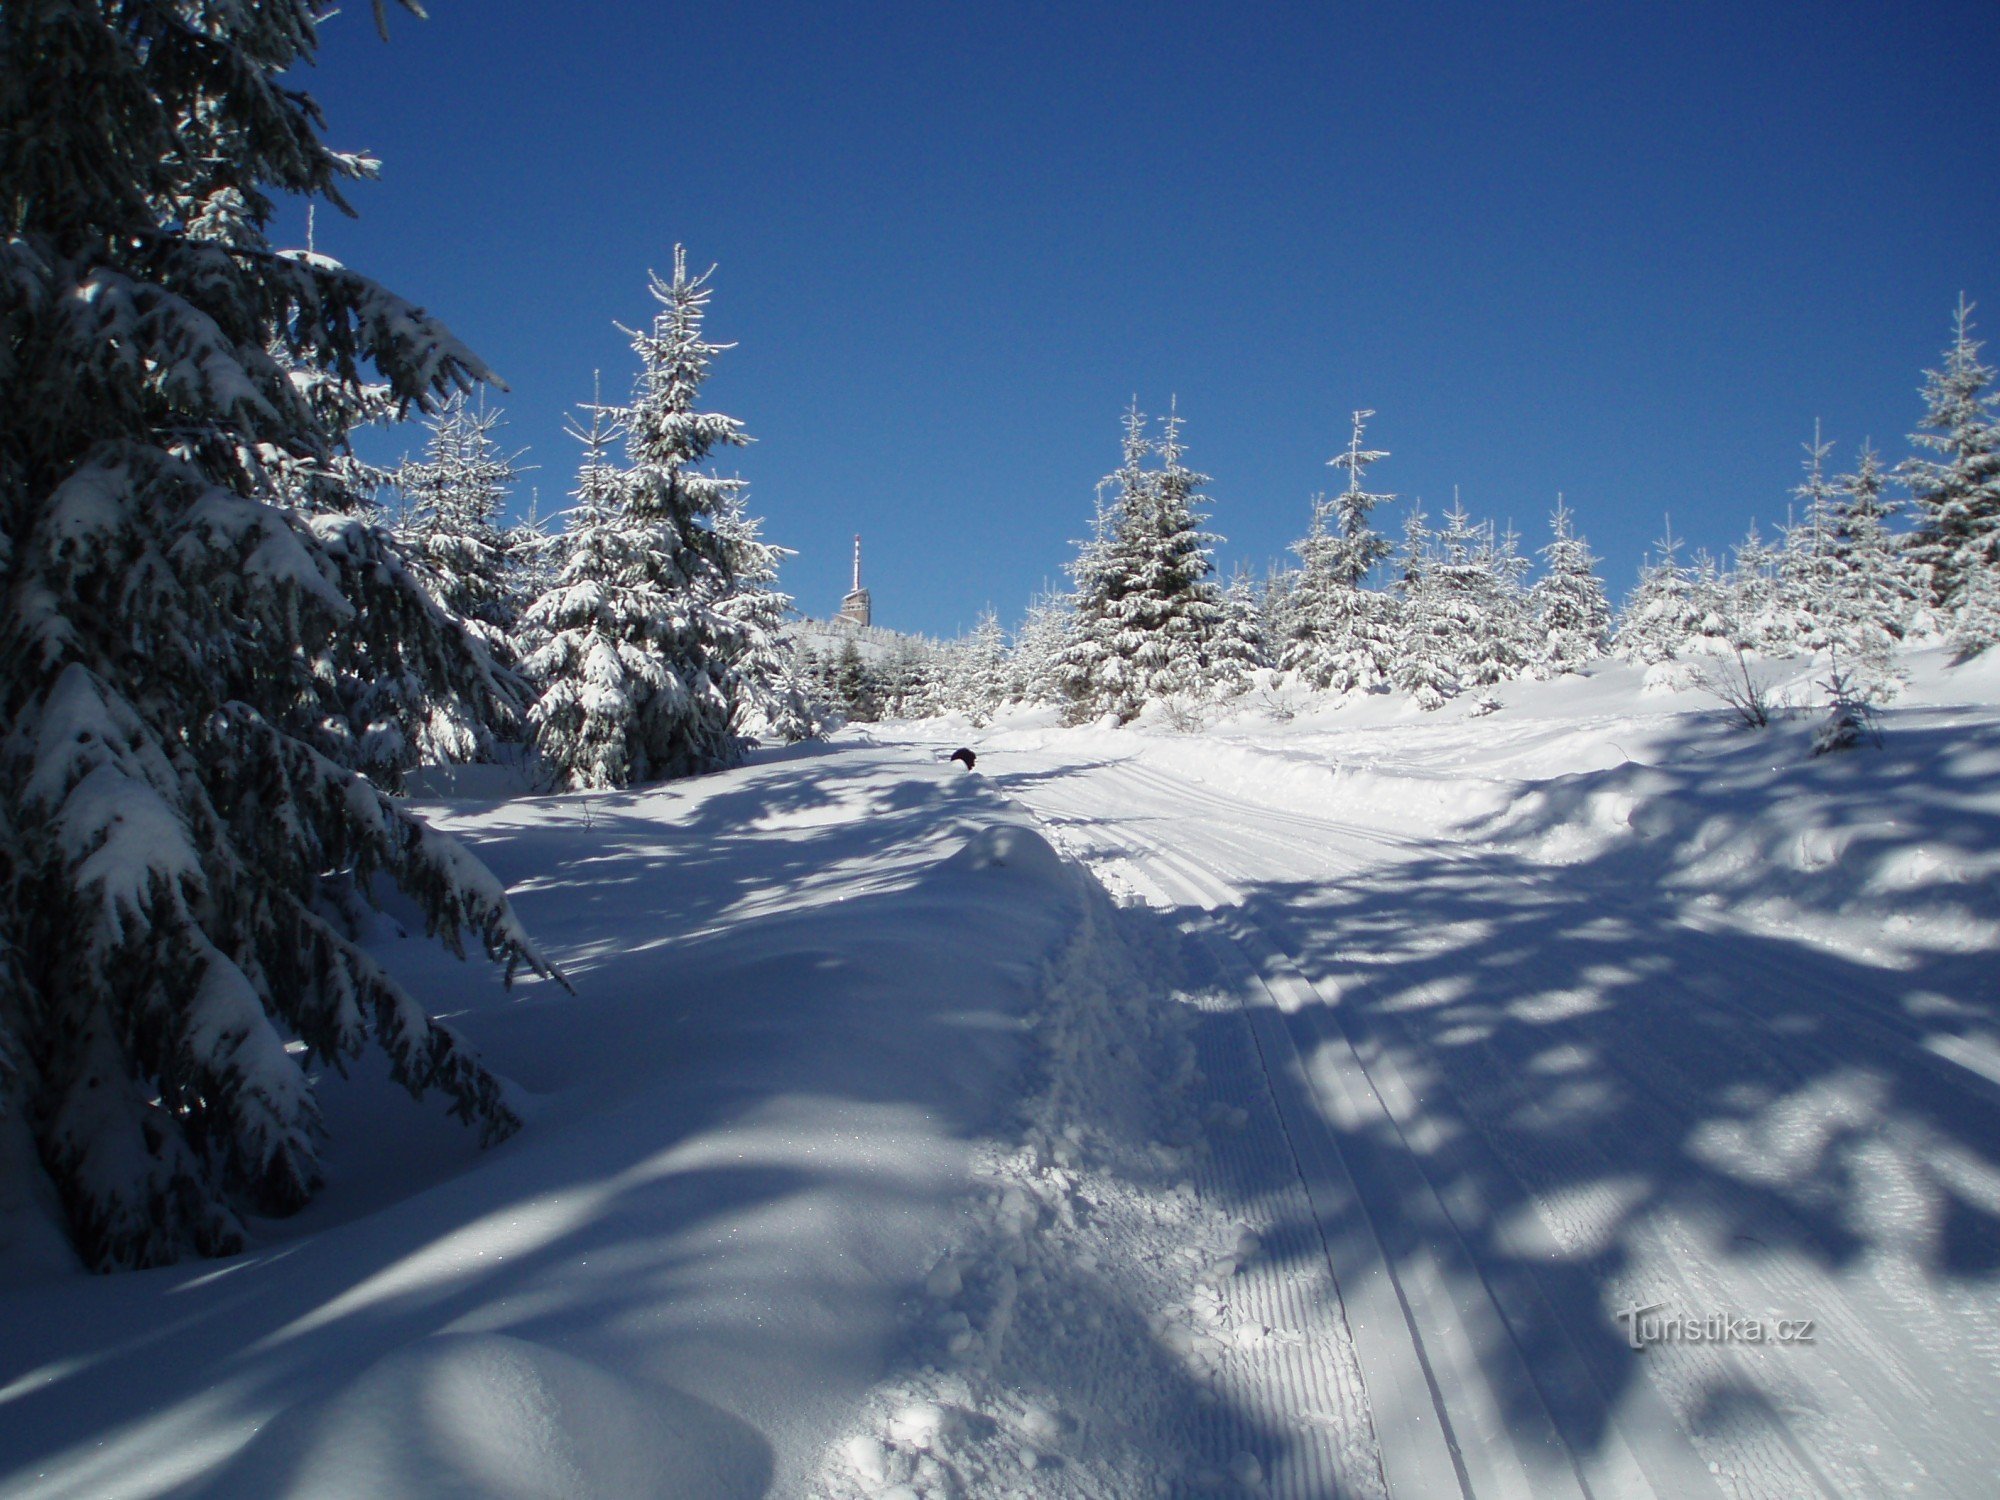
[(1735, 680)]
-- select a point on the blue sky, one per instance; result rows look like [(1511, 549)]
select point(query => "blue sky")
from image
[(1627, 252)]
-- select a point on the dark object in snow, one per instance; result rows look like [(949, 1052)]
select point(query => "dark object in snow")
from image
[(963, 754)]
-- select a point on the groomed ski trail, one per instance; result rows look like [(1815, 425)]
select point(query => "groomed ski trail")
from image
[(1478, 1245)]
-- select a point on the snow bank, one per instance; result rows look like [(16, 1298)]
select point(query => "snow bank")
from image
[(1020, 851), (489, 1417), (804, 994)]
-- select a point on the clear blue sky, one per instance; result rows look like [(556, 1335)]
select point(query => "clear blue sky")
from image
[(1624, 251)]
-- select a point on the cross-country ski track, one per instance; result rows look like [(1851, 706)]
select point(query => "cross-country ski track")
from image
[(1485, 1080)]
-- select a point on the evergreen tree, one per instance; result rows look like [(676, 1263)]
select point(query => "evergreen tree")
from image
[(976, 684), (1714, 630), (451, 536), (1568, 601), (1171, 616), (595, 660), (688, 723), (1809, 571), (1467, 611), (533, 553), (1088, 671), (451, 530), (1956, 494), (409, 682), (1038, 648), (1146, 615), (1341, 637), (1755, 603), (1511, 643), (758, 674), (1426, 664), (911, 680), (1975, 615), (1240, 648), (1661, 614), (661, 617), (815, 677), (1279, 611), (1871, 598), (856, 689), (176, 814)]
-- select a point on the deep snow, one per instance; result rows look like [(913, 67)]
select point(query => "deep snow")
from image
[(878, 1154)]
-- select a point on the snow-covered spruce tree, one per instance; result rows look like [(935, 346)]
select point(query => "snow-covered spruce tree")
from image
[(1147, 611), (1342, 635), (1240, 648), (1512, 641), (689, 725), (1568, 602), (1755, 600), (759, 676), (814, 671), (1472, 633), (1956, 495), (912, 678), (594, 663), (1426, 664), (450, 528), (1871, 597), (531, 550), (976, 682), (1808, 570), (409, 681), (645, 658), (1172, 613), (855, 686), (1091, 674), (1975, 615), (1714, 631), (169, 818), (1037, 649), (1279, 610), (1660, 615)]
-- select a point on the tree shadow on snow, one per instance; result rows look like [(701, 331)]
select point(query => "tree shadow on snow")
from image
[(573, 1272), (1570, 1059)]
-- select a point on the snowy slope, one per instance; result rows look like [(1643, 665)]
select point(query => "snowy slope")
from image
[(798, 1029), (879, 1155)]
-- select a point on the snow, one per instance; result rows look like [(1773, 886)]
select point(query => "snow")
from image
[(1314, 1146)]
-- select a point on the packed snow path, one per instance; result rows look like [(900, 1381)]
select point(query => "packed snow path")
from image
[(1519, 1100)]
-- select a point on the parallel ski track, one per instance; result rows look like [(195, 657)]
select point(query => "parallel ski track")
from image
[(1479, 1446), (1444, 1371)]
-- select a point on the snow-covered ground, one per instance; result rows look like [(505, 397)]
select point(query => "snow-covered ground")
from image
[(879, 1154)]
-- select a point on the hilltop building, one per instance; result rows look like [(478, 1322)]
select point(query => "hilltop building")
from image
[(855, 606)]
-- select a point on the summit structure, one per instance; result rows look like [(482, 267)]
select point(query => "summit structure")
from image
[(855, 605)]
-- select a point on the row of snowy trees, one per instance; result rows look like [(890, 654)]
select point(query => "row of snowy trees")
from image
[(1451, 611), (1842, 580), (1145, 620)]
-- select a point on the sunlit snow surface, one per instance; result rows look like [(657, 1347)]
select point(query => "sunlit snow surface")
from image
[(878, 1155)]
